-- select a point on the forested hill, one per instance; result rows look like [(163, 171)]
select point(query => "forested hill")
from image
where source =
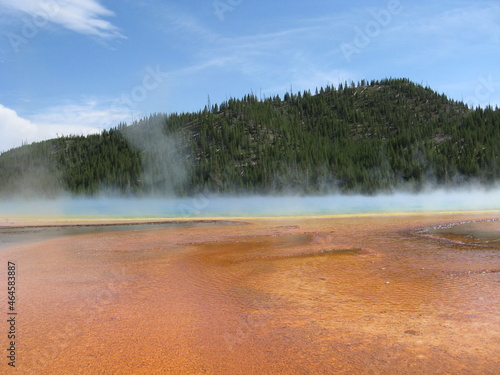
[(365, 137)]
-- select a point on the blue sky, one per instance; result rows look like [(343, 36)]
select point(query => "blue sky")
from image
[(79, 66)]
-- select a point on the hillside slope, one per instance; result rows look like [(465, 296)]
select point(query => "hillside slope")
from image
[(365, 137)]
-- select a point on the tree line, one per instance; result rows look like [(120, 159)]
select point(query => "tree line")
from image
[(362, 137)]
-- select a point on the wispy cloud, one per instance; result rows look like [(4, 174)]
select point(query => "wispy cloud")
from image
[(255, 56), (182, 27), (82, 16), (470, 20), (89, 114)]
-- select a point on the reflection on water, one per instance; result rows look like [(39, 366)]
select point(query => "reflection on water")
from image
[(17, 236), (357, 295), (483, 233)]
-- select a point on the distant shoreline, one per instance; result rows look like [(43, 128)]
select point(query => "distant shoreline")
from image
[(51, 222)]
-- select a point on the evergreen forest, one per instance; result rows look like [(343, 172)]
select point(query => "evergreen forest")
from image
[(364, 137)]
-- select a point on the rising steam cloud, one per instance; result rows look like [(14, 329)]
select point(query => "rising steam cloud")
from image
[(165, 167)]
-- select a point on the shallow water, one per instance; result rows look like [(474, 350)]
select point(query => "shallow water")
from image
[(13, 236), (352, 295), (481, 234)]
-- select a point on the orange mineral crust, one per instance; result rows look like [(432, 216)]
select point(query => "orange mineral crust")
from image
[(393, 294)]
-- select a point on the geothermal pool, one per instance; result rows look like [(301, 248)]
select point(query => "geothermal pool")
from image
[(207, 205), (352, 294)]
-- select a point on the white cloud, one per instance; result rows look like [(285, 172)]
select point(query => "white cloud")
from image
[(73, 119), (81, 16), (14, 129)]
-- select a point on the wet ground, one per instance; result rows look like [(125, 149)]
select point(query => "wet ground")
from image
[(393, 294)]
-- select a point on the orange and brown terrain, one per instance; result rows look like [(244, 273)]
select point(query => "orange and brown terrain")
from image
[(386, 294)]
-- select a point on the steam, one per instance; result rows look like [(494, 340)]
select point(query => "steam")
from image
[(39, 177), (216, 206), (166, 175), (165, 168)]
